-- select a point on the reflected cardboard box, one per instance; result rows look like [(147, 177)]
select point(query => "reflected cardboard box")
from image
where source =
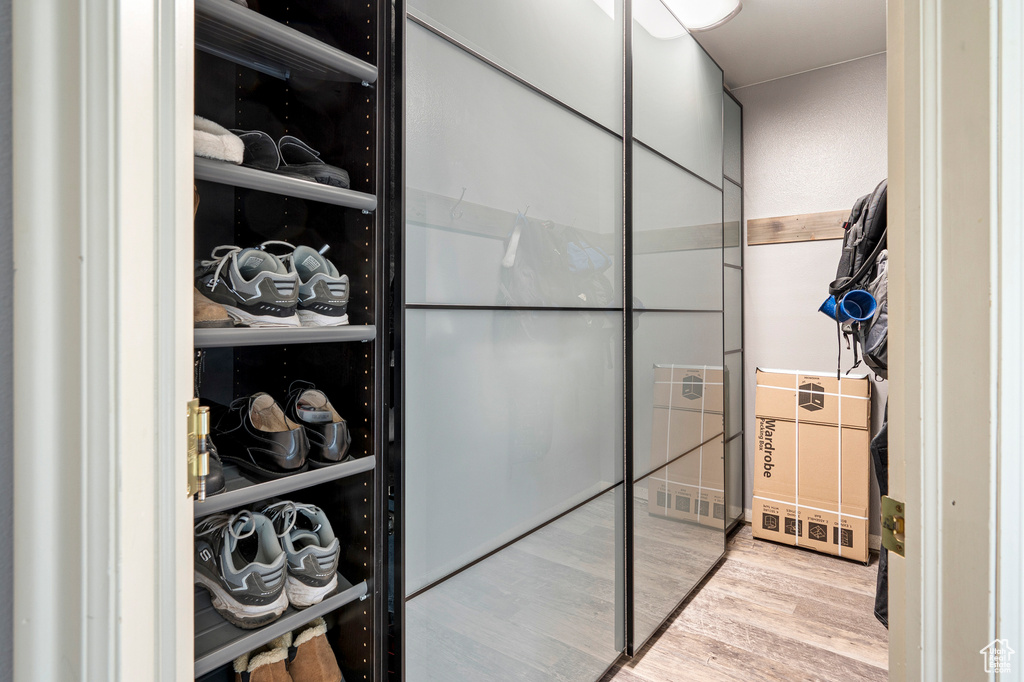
[(812, 467), (688, 410)]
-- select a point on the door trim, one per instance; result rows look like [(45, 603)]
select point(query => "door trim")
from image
[(955, 169), (102, 338)]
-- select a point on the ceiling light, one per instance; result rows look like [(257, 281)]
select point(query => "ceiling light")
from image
[(702, 15), (657, 20)]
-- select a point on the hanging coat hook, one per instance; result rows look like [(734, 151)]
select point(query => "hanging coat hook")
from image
[(456, 215)]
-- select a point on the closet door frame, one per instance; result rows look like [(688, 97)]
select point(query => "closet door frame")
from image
[(102, 338)]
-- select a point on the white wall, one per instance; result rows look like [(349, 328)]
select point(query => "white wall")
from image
[(811, 142)]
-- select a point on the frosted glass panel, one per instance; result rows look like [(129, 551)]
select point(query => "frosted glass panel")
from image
[(678, 392), (677, 94), (511, 418), (543, 609), (734, 479), (571, 49), (477, 135), (733, 140), (733, 228), (677, 237), (734, 394), (733, 309), (679, 533)]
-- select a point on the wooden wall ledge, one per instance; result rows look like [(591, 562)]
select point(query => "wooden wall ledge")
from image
[(797, 228)]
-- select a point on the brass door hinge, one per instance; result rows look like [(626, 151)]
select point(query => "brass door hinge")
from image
[(893, 525), (198, 456)]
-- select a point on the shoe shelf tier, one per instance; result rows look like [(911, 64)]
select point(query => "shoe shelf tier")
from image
[(240, 491), (229, 174), (252, 336), (218, 642), (230, 31)]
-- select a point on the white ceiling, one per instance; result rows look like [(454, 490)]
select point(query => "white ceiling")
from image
[(771, 39)]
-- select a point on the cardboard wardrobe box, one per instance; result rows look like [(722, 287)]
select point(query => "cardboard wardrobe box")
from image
[(812, 464), (687, 450)]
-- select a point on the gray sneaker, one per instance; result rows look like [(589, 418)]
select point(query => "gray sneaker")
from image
[(312, 551), (323, 291), (239, 561), (254, 286)]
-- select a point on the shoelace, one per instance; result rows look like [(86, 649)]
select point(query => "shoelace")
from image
[(217, 522), (285, 258), (225, 253), (288, 513)]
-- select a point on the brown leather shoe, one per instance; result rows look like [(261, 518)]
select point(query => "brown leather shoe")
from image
[(266, 664), (207, 313), (312, 657)]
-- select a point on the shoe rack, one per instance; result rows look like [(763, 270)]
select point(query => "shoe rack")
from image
[(305, 68)]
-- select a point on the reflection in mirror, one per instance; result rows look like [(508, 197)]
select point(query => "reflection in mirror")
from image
[(732, 230), (511, 199), (512, 417), (545, 608), (679, 533), (677, 93), (667, 347), (677, 237)]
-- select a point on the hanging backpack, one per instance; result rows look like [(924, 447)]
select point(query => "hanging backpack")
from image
[(864, 265)]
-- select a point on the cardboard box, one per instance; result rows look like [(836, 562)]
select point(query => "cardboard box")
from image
[(812, 464), (686, 443)]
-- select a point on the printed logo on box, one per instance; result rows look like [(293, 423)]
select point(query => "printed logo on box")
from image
[(770, 522), (997, 656), (794, 527), (662, 499), (693, 388), (812, 397), (719, 511), (683, 503), (704, 508), (817, 531), (845, 533)]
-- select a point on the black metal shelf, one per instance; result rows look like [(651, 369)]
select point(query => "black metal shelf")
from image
[(228, 30), (218, 642), (251, 336), (229, 174), (241, 491)]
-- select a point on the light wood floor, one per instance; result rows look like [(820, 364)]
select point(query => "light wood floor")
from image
[(771, 612)]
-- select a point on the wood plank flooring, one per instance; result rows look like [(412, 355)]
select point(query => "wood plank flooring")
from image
[(770, 612)]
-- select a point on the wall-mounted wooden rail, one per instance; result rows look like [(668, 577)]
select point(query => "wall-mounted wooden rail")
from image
[(796, 228)]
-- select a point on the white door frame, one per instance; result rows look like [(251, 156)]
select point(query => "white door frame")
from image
[(956, 254), (102, 338), (102, 335)]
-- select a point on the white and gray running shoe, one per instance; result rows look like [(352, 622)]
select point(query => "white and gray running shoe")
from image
[(254, 286), (312, 551), (323, 291), (239, 561)]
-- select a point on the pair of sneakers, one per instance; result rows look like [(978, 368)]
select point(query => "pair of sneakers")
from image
[(300, 656), (255, 563), (268, 442), (260, 289)]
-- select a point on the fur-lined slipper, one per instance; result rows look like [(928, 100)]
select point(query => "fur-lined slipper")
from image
[(311, 657), (266, 664), (213, 141)]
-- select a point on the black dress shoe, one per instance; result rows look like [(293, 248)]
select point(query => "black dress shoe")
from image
[(215, 476), (255, 435), (327, 432)]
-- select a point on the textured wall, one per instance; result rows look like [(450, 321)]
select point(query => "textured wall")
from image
[(811, 142)]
